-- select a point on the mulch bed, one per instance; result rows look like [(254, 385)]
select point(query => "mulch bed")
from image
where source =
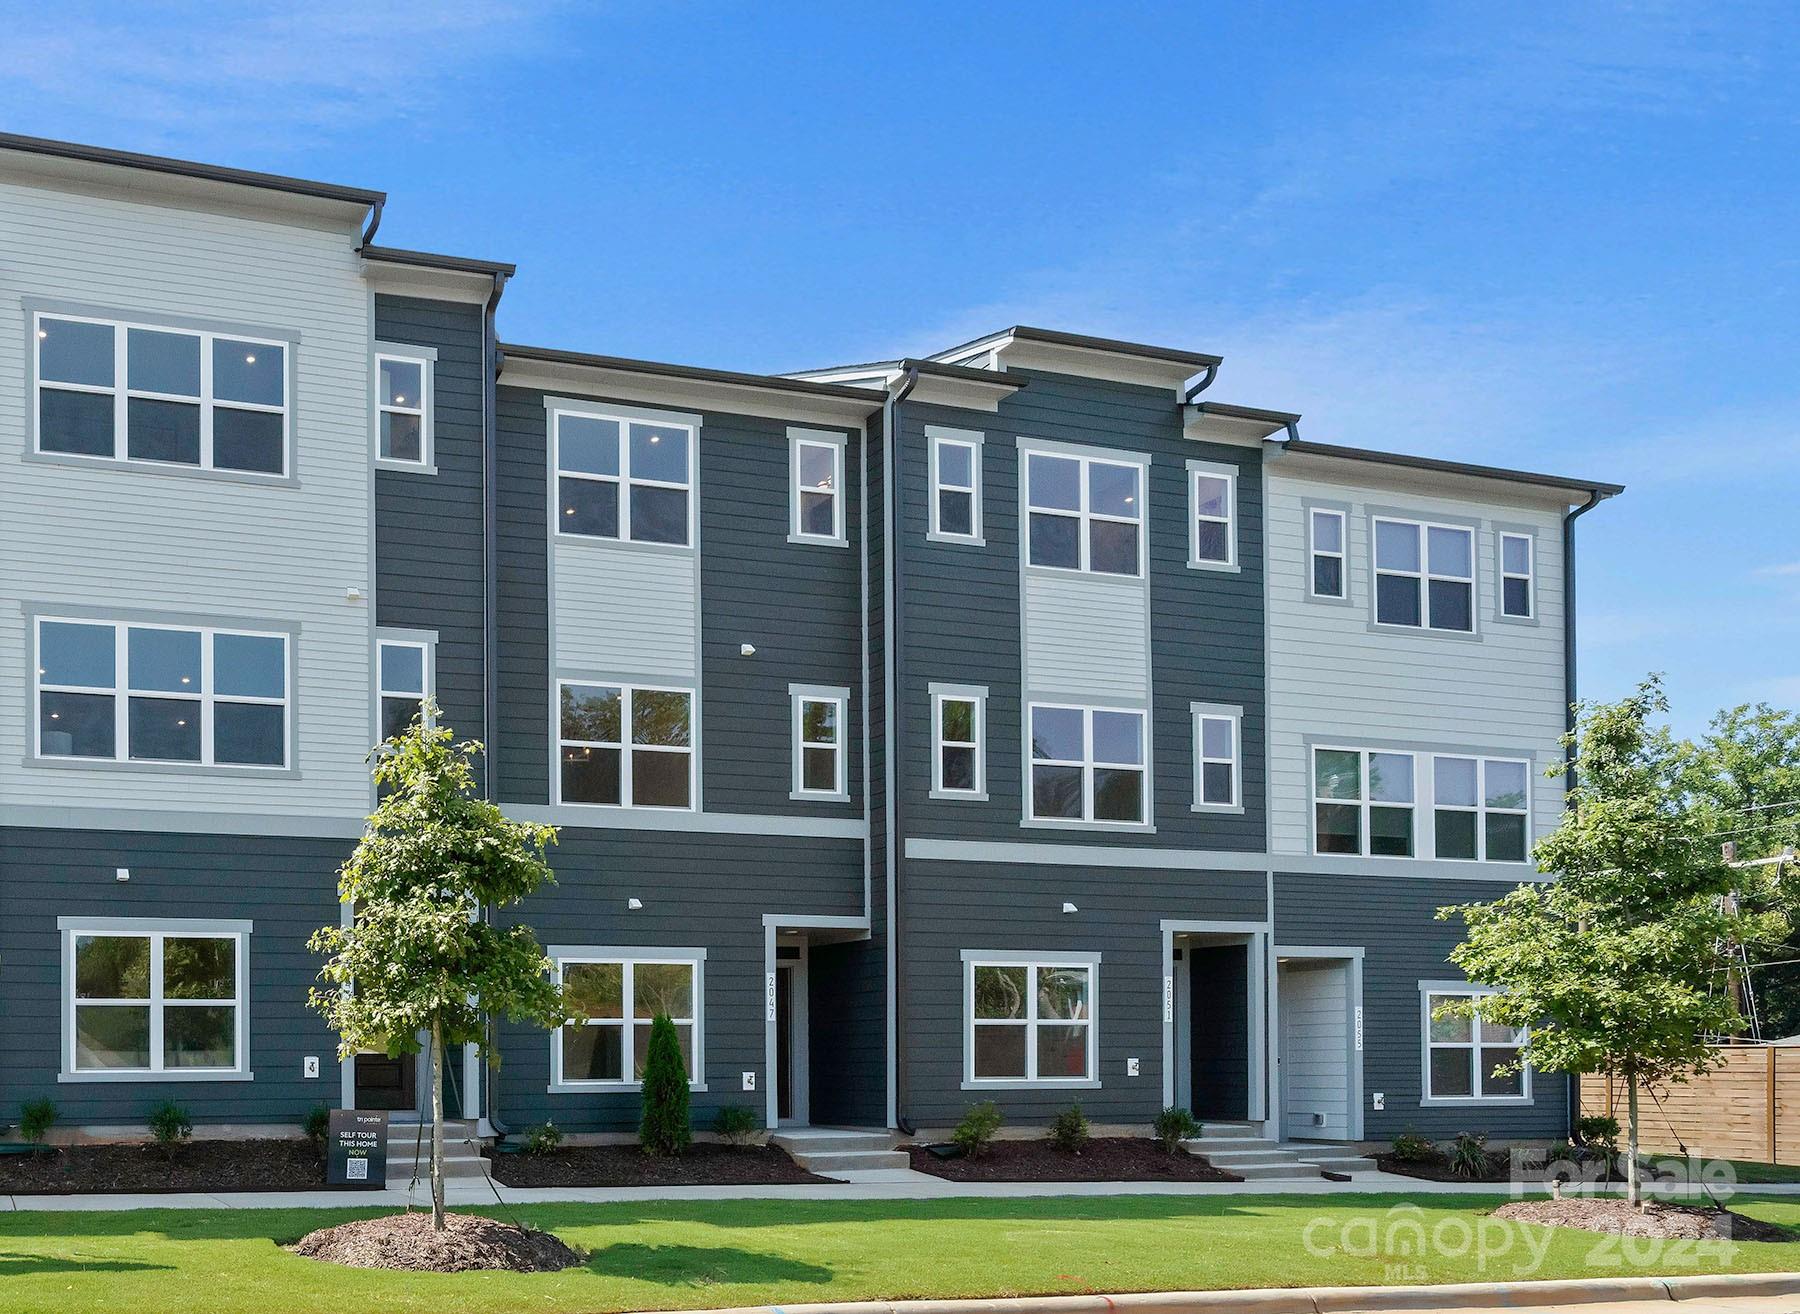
[(1657, 1219), (1499, 1169), (468, 1241), (250, 1165), (706, 1163), (1103, 1159)]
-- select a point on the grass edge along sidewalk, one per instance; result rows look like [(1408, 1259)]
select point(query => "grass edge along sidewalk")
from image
[(742, 1253)]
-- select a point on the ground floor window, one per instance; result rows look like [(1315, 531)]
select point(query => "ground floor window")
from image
[(1029, 1019), (143, 997), (617, 994), (1461, 1053)]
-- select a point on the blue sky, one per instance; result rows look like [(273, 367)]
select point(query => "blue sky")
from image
[(1567, 240)]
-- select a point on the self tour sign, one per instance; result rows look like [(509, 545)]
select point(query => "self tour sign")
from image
[(356, 1149)]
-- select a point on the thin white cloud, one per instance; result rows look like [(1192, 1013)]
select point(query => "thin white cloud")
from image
[(1785, 569)]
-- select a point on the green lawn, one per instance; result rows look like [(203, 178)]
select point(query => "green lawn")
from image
[(660, 1255), (1744, 1171)]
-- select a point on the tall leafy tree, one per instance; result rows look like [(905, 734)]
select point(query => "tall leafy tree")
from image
[(1619, 965), (418, 959)]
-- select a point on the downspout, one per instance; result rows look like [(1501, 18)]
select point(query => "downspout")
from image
[(490, 637), (1571, 1087), (1206, 381), (892, 673), (374, 221)]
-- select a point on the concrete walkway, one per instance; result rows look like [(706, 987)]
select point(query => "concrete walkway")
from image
[(883, 1184)]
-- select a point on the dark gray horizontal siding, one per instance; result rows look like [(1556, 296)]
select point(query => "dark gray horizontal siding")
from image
[(1394, 920), (522, 720)]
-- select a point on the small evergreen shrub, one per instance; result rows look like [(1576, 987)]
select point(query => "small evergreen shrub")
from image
[(1069, 1130), (171, 1126), (665, 1129), (1598, 1136), (316, 1123), (1469, 1155), (976, 1131), (1173, 1126), (36, 1118), (542, 1139), (1410, 1147), (736, 1125)]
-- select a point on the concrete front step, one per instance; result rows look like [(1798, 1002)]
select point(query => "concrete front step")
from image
[(840, 1149), (1232, 1160), (1291, 1171), (1233, 1144), (853, 1161), (1230, 1129)]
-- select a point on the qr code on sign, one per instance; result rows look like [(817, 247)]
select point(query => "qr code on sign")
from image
[(356, 1170)]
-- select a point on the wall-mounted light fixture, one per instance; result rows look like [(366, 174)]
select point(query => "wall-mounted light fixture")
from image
[(634, 905), (1069, 908), (746, 650)]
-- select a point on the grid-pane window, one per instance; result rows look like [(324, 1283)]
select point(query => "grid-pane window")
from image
[(178, 397), (1213, 499), (1328, 553), (623, 479), (1087, 764), (1481, 808), (1424, 575), (156, 1001), (625, 746), (960, 761), (1363, 802), (614, 1002), (1517, 576), (1462, 1053), (1216, 754), (955, 488), (1030, 1021), (819, 759), (402, 388), (817, 498), (1083, 513), (403, 669)]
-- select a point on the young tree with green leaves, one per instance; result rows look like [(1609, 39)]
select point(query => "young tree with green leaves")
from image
[(419, 958), (1619, 965)]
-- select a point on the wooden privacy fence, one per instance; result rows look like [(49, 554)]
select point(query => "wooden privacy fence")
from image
[(1747, 1108)]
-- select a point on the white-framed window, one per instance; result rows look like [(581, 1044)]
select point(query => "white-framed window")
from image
[(1363, 802), (1461, 1053), (959, 739), (1518, 576), (955, 485), (816, 493), (1029, 1020), (139, 392), (144, 999), (1084, 513), (624, 478), (1218, 756), (1424, 575), (1327, 553), (1481, 808), (819, 718), (617, 994), (1212, 515), (403, 405), (1087, 764), (404, 679), (157, 693), (625, 745)]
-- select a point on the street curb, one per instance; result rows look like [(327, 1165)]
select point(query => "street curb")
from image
[(1330, 1300)]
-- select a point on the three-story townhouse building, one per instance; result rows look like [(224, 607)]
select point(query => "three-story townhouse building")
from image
[(894, 717)]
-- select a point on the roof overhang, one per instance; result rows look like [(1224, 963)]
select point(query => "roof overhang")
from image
[(424, 274), (657, 383), (1052, 351), (1221, 422), (1296, 456), (935, 383)]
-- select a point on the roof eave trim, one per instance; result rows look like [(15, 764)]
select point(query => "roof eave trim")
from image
[(393, 255), (1433, 465), (662, 369), (68, 150)]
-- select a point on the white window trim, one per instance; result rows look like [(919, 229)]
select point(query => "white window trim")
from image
[(1198, 470), (1424, 576), (1530, 576), (426, 643), (1084, 517), (563, 955), (1089, 764), (1202, 712), (426, 359), (1426, 1099), (1033, 962), (1481, 809), (156, 930), (122, 693), (798, 696), (1420, 800), (624, 481), (973, 441), (953, 693), (626, 748), (835, 443), (1314, 551), (121, 392)]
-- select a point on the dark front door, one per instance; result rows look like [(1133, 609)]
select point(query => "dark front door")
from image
[(387, 1083), (1219, 1028), (784, 1043)]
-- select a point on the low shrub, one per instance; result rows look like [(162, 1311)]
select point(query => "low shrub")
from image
[(36, 1118), (1469, 1155), (1598, 1136), (976, 1131), (317, 1123), (171, 1126), (1410, 1147), (541, 1139), (664, 1129), (1069, 1130), (1173, 1126), (736, 1125)]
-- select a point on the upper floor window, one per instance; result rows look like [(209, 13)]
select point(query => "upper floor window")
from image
[(1218, 752), (403, 671), (1084, 514), (1325, 529), (1212, 494), (1087, 764), (955, 485), (1029, 1021), (819, 758), (201, 696), (1363, 802), (1480, 808), (624, 479), (168, 1002), (1518, 576), (177, 397), (1462, 1053), (959, 759), (614, 1000), (625, 746), (816, 470), (1424, 575), (403, 387)]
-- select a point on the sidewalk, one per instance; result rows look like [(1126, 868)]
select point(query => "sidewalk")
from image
[(886, 1184)]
